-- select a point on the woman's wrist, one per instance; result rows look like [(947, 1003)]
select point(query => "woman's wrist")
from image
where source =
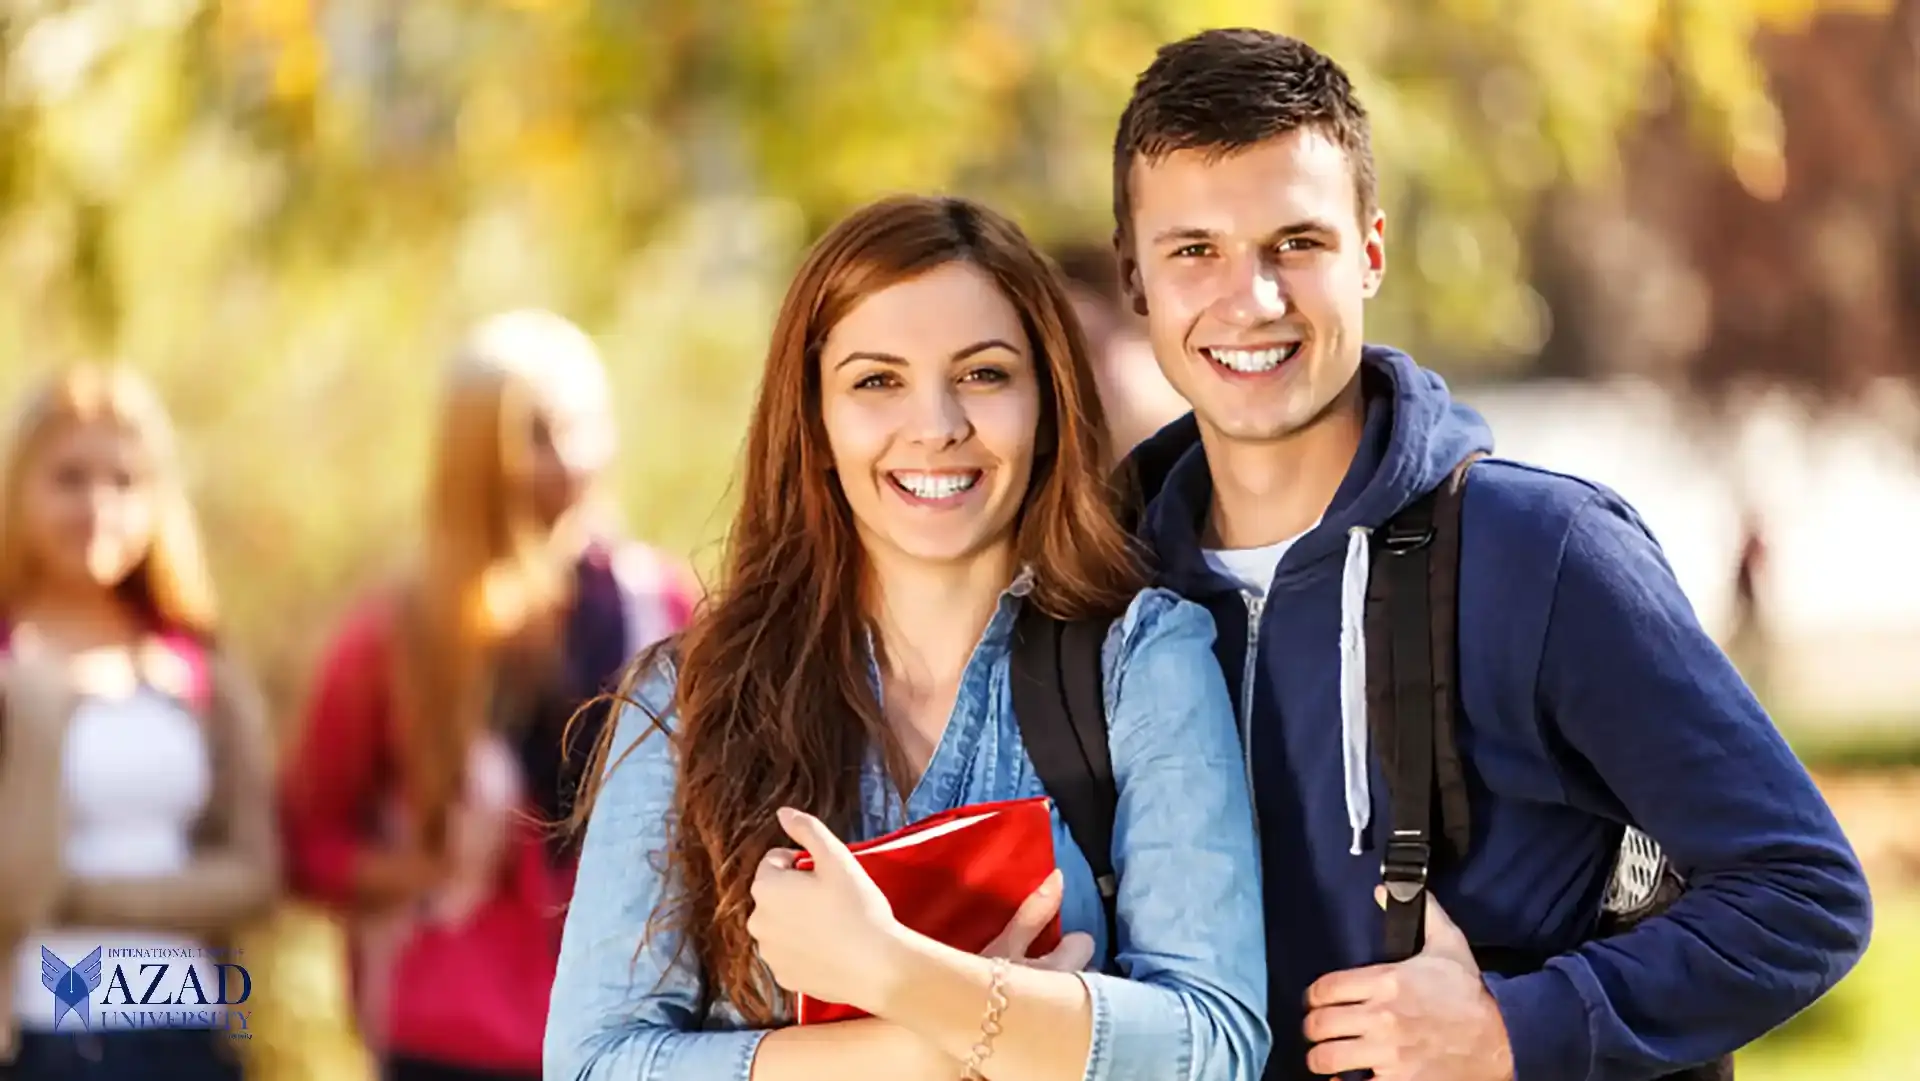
[(990, 1021), (1013, 1017), (899, 964), (913, 973)]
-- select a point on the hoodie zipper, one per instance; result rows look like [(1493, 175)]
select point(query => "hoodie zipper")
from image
[(1256, 604)]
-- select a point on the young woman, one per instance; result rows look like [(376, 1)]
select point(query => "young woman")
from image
[(925, 459), (420, 798), (135, 775)]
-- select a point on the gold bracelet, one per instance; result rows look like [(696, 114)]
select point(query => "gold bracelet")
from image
[(989, 1024)]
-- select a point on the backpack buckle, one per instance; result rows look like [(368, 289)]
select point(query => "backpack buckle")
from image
[(1403, 867), (1401, 539)]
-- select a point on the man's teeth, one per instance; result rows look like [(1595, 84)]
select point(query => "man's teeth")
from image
[(1253, 360), (936, 485)]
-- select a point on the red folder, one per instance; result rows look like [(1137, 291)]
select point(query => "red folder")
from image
[(956, 877)]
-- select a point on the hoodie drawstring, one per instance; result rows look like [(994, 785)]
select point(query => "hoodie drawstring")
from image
[(1353, 682)]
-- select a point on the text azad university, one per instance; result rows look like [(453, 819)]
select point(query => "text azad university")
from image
[(159, 988)]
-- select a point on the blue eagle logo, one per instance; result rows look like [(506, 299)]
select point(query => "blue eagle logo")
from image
[(72, 985)]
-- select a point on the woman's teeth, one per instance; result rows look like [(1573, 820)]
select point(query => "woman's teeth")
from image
[(935, 485), (1253, 361)]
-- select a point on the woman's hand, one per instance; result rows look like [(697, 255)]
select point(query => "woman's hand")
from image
[(828, 933), (1075, 950), (479, 834)]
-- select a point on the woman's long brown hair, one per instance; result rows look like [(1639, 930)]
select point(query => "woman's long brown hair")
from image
[(482, 607), (773, 705)]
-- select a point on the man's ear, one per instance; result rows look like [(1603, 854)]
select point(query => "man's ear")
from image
[(1130, 285), (1373, 248)]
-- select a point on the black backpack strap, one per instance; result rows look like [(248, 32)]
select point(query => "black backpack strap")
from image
[(1412, 625), (1060, 704)]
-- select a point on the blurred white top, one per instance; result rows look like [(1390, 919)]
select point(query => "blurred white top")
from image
[(137, 777)]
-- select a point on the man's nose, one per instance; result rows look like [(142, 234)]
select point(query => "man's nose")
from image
[(1255, 293)]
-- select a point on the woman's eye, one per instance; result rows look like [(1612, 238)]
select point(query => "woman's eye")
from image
[(986, 375), (874, 381)]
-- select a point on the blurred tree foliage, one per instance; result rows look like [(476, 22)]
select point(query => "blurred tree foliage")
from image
[(286, 209), (1740, 275)]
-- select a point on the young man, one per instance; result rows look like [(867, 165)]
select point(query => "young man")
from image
[(1251, 238)]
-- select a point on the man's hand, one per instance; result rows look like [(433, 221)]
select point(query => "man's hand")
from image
[(1428, 1018)]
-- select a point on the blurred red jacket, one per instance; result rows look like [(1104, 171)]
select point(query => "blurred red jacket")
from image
[(473, 992)]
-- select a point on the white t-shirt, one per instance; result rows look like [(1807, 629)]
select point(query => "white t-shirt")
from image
[(1252, 568), (138, 775)]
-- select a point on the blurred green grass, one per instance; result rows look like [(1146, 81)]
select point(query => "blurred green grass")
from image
[(1855, 744), (1866, 1027), (1869, 1026)]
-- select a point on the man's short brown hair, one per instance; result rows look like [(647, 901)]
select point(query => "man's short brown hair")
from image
[(1220, 91)]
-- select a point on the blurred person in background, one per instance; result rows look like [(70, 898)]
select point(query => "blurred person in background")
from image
[(1135, 394), (135, 771), (1751, 640), (421, 793), (925, 471)]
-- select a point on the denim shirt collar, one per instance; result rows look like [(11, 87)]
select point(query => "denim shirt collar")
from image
[(975, 706), (998, 632)]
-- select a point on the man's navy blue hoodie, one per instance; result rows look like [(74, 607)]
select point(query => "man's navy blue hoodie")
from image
[(1592, 699)]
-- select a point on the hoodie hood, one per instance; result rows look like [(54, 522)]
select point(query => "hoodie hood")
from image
[(1414, 436)]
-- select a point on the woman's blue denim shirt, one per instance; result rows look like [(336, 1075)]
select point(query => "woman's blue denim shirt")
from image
[(1189, 930)]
